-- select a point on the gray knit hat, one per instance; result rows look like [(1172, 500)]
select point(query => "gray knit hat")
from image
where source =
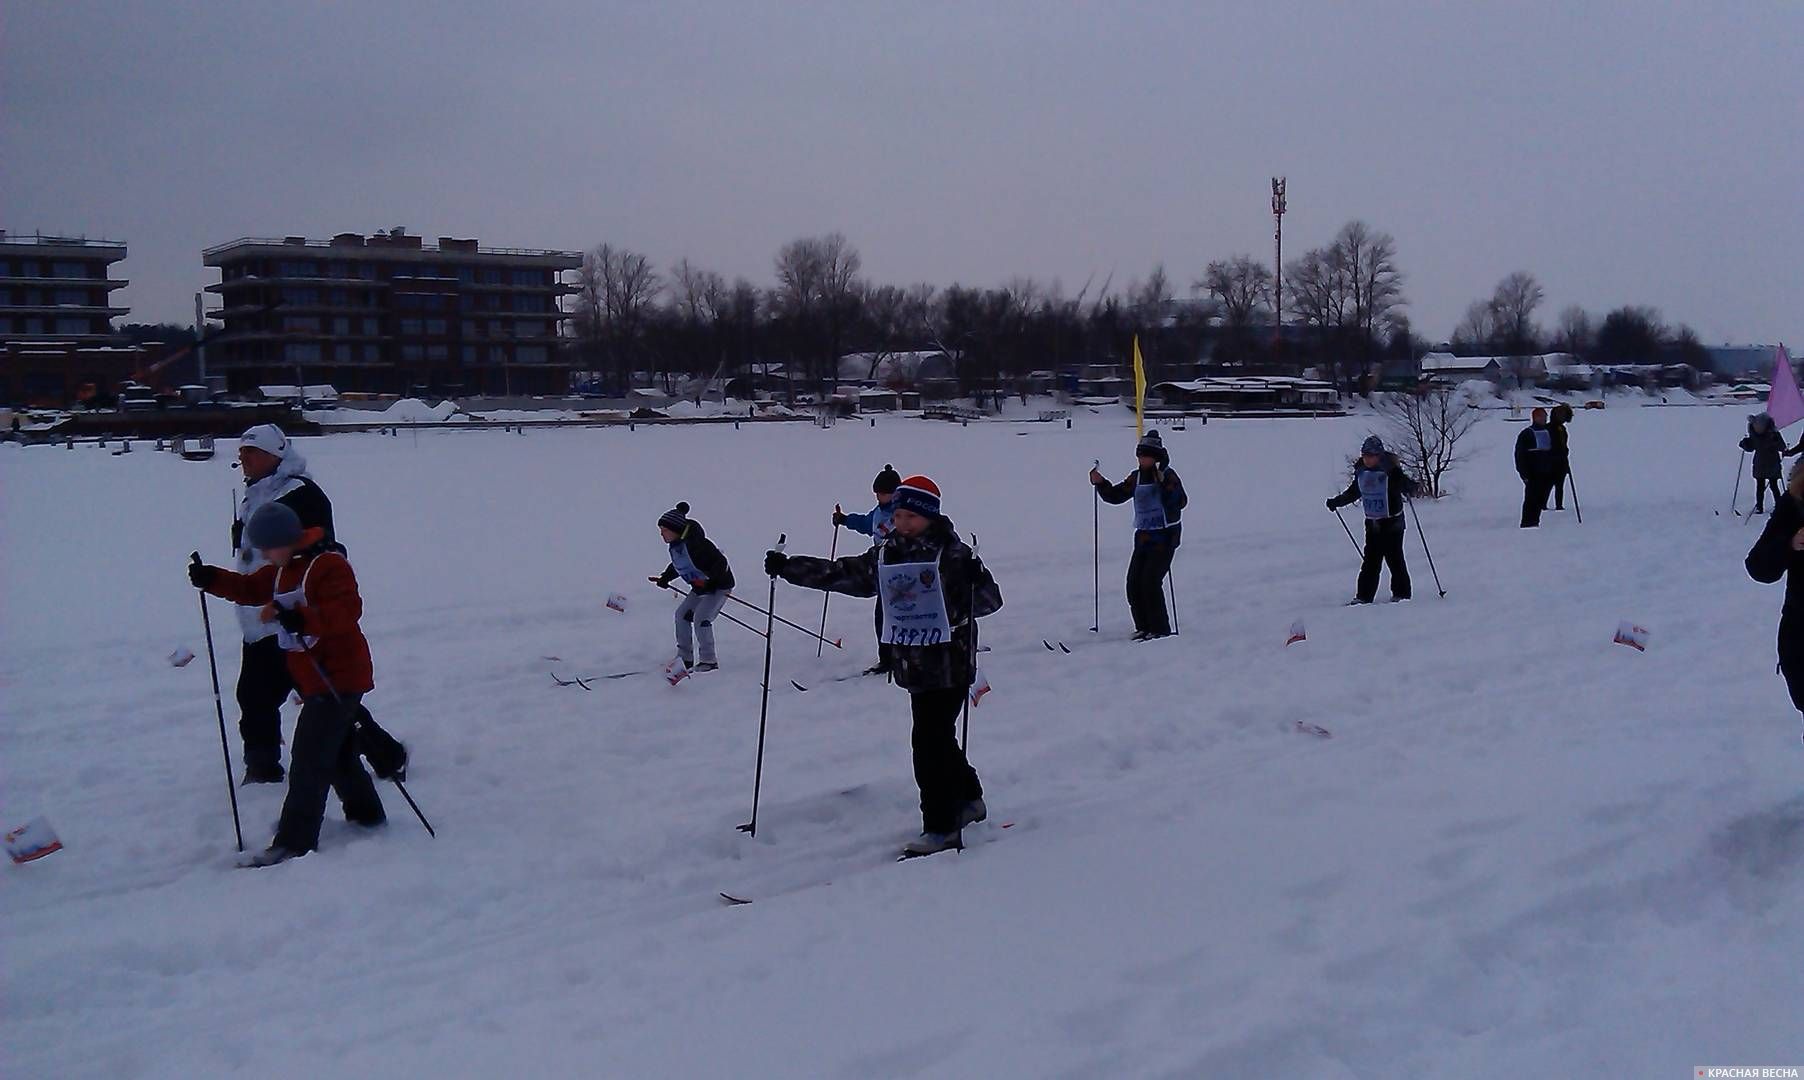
[(274, 525), (1372, 445)]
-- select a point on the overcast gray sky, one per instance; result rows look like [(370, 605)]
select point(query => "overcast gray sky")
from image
[(1638, 153)]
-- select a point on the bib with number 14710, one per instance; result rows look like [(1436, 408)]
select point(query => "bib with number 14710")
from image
[(914, 605)]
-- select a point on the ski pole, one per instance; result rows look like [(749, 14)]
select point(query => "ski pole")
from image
[(1171, 582), (1577, 510), (722, 614), (1740, 466), (1096, 553), (835, 642), (964, 735), (1424, 538), (832, 553), (340, 702), (206, 621), (1349, 532), (751, 826)]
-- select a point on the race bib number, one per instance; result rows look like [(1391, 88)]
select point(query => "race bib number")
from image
[(914, 605)]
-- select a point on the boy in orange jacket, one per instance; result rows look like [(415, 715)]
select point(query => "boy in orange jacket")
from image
[(310, 590)]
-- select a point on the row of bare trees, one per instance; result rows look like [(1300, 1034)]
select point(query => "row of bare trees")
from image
[(632, 317), (1504, 325)]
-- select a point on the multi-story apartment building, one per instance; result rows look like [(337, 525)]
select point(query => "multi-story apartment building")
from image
[(57, 343), (389, 314)]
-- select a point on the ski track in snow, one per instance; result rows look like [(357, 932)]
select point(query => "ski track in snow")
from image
[(1525, 848)]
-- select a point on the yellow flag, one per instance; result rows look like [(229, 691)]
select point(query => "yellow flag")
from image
[(1139, 391)]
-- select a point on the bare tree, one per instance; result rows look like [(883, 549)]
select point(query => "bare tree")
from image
[(1477, 329), (818, 291), (616, 293), (1369, 260), (1425, 431), (1513, 304), (1242, 286), (1574, 332)]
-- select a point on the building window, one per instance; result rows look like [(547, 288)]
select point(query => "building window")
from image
[(68, 270), (72, 326), (469, 354), (413, 353), (6, 268), (529, 329), (437, 327), (529, 277), (301, 297), (413, 327), (28, 268), (71, 298), (372, 353), (490, 276), (372, 327), (438, 354), (341, 298), (466, 275), (301, 352), (469, 328), (341, 326), (297, 269), (530, 354), (301, 322), (341, 353), (366, 271), (497, 354), (6, 326), (34, 326)]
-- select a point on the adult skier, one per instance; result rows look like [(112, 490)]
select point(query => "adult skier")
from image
[(1779, 553), (1535, 465), (275, 472), (1159, 501), (1379, 487), (695, 559), (876, 525), (1768, 447), (931, 588), (1562, 452), (306, 589)]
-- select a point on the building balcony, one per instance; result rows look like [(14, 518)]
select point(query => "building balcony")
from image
[(65, 311), (254, 281), (66, 282)]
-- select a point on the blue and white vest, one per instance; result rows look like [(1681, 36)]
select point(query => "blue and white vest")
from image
[(685, 566), (1149, 507), (1375, 493)]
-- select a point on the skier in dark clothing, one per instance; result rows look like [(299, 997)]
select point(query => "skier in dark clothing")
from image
[(1535, 464), (1768, 447), (1562, 452), (695, 559), (1779, 553), (876, 525), (275, 472), (932, 588), (1159, 501), (1379, 485)]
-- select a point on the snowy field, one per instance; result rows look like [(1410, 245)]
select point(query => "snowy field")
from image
[(1525, 850)]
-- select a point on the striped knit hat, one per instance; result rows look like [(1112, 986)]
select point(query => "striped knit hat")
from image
[(919, 495), (675, 520)]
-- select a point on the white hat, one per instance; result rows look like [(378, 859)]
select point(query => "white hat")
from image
[(267, 438)]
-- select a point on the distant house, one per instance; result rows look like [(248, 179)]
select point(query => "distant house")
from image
[(1738, 360), (897, 369), (1452, 370), (1261, 393)]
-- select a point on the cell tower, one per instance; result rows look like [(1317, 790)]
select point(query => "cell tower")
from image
[(1278, 262)]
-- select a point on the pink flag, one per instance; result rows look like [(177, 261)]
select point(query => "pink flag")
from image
[(1784, 404)]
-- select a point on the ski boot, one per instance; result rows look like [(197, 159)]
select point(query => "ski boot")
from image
[(973, 812), (929, 843)]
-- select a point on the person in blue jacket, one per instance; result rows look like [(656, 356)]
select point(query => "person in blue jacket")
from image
[(1159, 501), (877, 525)]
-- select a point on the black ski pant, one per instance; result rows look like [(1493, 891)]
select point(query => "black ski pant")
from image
[(1384, 547), (1146, 586), (1535, 488), (945, 777), (1561, 471), (325, 758), (1760, 489), (264, 684)]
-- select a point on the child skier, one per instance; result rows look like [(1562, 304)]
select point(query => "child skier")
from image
[(1768, 446), (695, 559), (1379, 486), (310, 591), (876, 525), (1779, 553), (1159, 502), (931, 588)]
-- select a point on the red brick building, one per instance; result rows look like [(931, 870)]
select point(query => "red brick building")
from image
[(57, 344)]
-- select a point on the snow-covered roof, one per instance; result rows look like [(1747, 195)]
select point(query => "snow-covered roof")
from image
[(1437, 362), (312, 391)]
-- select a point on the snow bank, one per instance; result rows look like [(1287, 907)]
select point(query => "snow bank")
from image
[(1525, 850)]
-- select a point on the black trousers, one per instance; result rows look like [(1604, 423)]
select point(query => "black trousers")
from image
[(325, 758), (1535, 488), (946, 779), (1384, 547), (1760, 489), (1146, 587), (264, 684), (1560, 472)]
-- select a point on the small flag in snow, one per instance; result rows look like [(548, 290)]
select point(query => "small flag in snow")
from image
[(675, 671), (1635, 637), (980, 687), (617, 602), (1296, 633), (32, 840), (181, 658)]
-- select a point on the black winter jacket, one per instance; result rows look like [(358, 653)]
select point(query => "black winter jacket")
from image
[(1768, 447), (1171, 495), (1772, 558), (1401, 487), (1531, 461), (965, 582), (706, 557)]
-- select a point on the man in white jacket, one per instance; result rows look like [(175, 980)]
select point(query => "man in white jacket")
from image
[(274, 471)]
